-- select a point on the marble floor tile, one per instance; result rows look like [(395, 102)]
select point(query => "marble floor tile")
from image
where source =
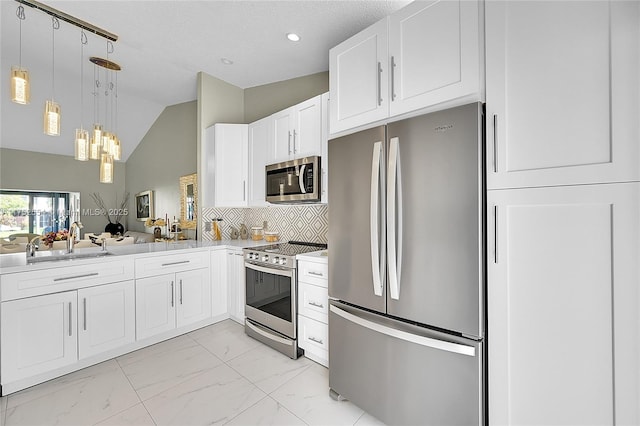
[(213, 397), (368, 420), (159, 367), (307, 396), (267, 368), (60, 383), (266, 412), (134, 416), (226, 340), (84, 402)]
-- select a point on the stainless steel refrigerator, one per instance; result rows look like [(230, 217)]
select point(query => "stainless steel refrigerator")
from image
[(407, 269)]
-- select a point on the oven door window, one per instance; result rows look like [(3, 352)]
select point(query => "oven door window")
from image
[(270, 293)]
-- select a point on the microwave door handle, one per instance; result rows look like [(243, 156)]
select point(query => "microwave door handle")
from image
[(303, 190), (374, 221)]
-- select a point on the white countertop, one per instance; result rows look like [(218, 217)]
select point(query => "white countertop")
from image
[(17, 262), (320, 256)]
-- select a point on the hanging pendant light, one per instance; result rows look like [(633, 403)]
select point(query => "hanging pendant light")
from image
[(20, 86), (82, 136), (96, 133), (52, 108), (106, 168)]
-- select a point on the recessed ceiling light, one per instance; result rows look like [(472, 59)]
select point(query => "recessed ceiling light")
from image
[(226, 61), (293, 37)]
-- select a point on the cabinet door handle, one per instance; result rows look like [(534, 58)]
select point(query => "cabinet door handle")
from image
[(244, 190), (379, 83), (294, 140), (93, 274), (317, 274), (495, 143), (393, 78), (172, 302), (70, 319), (181, 292), (84, 309), (317, 305), (289, 143), (495, 234), (176, 263), (319, 341)]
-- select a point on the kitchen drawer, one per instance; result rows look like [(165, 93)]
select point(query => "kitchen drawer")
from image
[(168, 263), (313, 337), (57, 279), (313, 273), (313, 302)]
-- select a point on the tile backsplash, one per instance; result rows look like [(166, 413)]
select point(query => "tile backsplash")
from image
[(293, 222)]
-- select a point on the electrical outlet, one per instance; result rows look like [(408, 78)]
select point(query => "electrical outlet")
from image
[(264, 225), (207, 226)]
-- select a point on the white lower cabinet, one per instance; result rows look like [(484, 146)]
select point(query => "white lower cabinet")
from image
[(236, 284), (38, 335), (313, 310), (219, 298), (168, 301), (563, 303), (106, 318)]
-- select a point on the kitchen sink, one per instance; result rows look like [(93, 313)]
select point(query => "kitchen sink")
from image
[(51, 257)]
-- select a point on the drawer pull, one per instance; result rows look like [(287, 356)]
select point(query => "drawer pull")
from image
[(176, 263), (93, 274), (318, 341), (317, 274), (317, 305)]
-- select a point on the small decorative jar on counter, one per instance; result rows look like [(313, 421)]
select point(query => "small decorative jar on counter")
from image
[(257, 233), (271, 236)]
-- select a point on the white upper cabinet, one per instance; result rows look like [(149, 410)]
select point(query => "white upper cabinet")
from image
[(426, 54), (435, 54), (231, 165), (297, 131), (259, 142), (358, 81), (562, 92)]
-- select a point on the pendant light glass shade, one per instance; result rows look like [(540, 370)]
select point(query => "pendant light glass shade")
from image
[(117, 149), (51, 118), (20, 86), (106, 168), (94, 149), (82, 145)]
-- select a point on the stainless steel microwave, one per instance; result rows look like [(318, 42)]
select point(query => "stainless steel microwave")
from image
[(295, 181)]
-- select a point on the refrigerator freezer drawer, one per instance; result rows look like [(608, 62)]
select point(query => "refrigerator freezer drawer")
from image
[(404, 374)]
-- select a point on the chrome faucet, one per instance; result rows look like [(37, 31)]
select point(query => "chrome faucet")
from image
[(31, 246), (72, 235)]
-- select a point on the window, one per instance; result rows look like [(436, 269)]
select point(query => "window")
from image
[(33, 212)]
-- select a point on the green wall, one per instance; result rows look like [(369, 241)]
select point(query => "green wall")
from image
[(166, 152), (36, 171), (262, 101)]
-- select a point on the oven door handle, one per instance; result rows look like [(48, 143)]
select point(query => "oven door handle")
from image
[(273, 271)]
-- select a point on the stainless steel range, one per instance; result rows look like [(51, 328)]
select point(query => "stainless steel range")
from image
[(271, 294)]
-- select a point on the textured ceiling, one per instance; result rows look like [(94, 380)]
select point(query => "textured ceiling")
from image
[(162, 46)]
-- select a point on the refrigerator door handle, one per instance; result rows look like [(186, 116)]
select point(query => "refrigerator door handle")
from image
[(403, 335), (394, 222), (377, 264)]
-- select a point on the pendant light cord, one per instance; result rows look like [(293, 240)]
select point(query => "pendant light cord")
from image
[(21, 16), (55, 24), (83, 41)]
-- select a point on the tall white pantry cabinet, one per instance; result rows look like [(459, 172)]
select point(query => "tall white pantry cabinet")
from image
[(563, 212)]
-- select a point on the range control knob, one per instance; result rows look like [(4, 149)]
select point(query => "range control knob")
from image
[(276, 260), (265, 258), (283, 261)]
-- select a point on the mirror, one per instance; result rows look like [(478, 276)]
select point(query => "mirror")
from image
[(188, 197)]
